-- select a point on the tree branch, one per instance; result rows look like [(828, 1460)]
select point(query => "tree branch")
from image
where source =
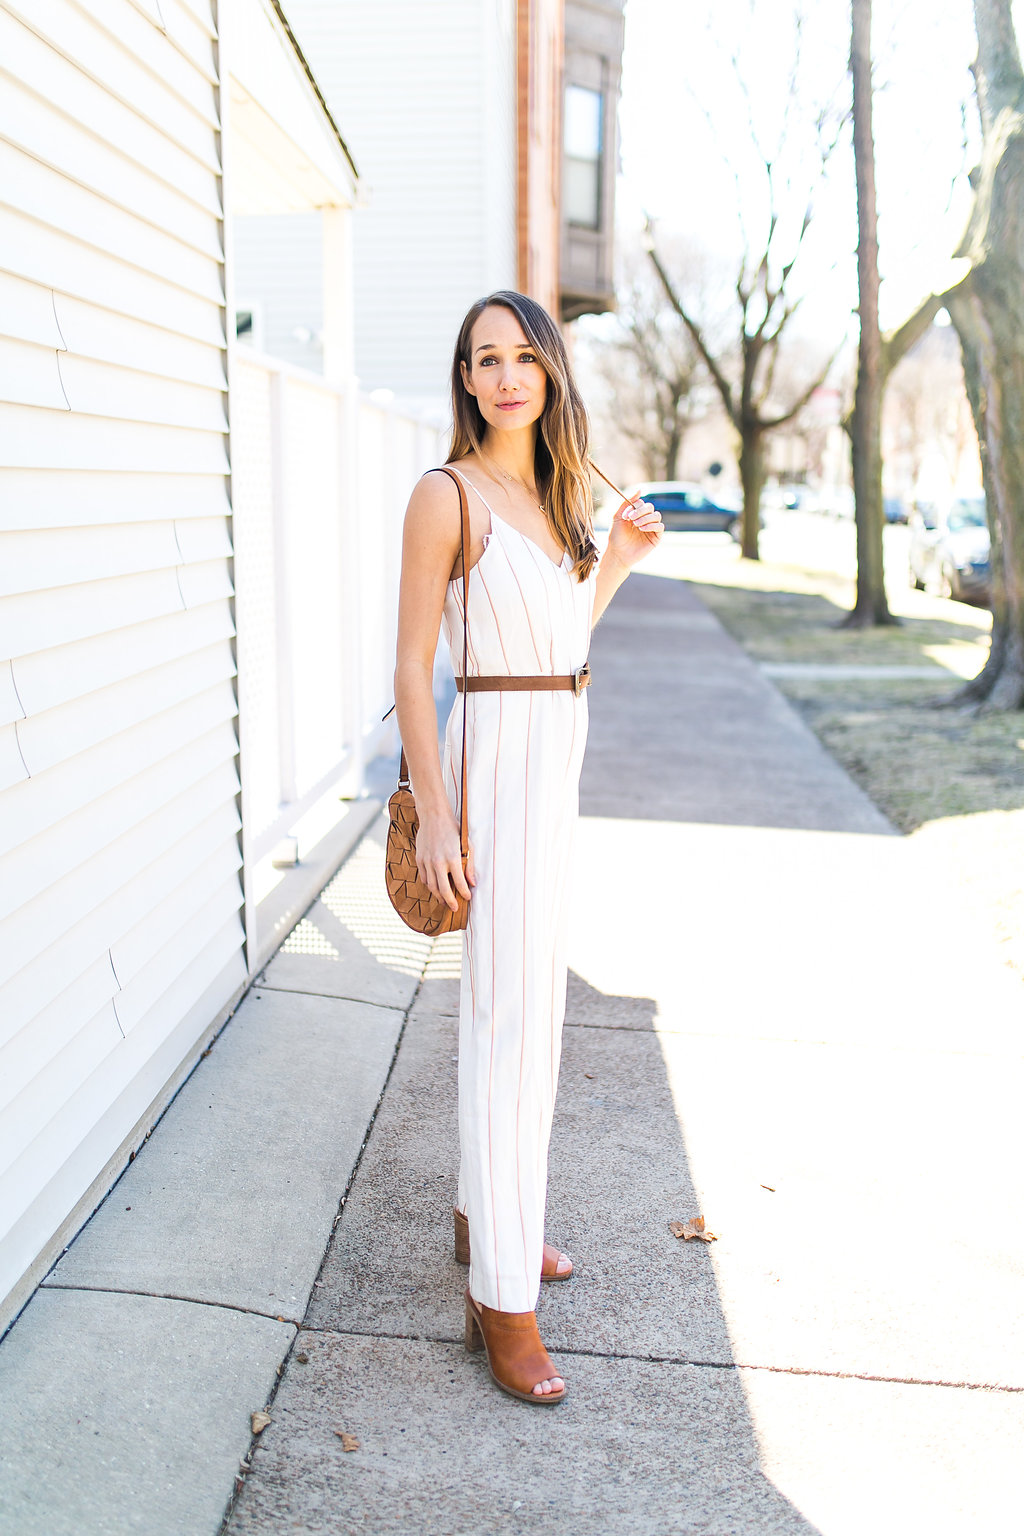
[(721, 382), (770, 423), (896, 344)]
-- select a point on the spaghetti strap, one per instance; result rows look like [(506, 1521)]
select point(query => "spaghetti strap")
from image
[(466, 480)]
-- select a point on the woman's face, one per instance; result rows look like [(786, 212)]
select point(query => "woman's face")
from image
[(504, 374)]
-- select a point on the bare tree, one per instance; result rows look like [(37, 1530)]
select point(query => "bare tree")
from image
[(988, 312), (871, 605), (878, 355), (765, 310), (651, 371), (745, 371)]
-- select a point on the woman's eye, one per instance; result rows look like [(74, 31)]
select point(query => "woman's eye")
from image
[(527, 357)]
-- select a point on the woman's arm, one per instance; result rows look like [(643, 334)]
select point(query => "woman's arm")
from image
[(636, 530), (431, 543)]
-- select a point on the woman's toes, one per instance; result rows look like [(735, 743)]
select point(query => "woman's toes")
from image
[(564, 1263)]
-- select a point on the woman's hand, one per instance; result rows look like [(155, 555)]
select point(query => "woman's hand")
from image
[(439, 858), (636, 530)]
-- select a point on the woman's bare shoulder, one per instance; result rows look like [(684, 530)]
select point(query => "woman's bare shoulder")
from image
[(434, 504)]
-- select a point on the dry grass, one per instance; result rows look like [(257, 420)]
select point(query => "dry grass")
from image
[(953, 780)]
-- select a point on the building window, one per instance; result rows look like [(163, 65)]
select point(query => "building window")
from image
[(584, 114)]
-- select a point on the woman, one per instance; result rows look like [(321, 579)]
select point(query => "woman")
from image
[(536, 588)]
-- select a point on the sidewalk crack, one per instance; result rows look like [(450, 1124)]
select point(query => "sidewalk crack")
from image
[(711, 1365)]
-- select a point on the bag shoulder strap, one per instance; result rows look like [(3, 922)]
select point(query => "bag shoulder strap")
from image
[(403, 771)]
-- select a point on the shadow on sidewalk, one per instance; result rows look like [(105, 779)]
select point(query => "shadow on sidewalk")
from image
[(655, 1436)]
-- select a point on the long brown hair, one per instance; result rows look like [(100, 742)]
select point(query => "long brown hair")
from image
[(563, 440)]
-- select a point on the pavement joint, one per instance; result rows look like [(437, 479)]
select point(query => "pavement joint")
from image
[(336, 997), (681, 1360), (195, 1301)]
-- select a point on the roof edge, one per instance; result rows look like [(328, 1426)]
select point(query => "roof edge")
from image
[(286, 24)]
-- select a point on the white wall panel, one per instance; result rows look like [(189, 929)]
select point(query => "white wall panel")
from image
[(44, 70), (145, 53), (51, 677), (34, 621), (27, 313), (31, 375), (73, 440), (88, 331), (12, 762), (76, 32), (63, 498), (46, 255), (90, 163), (61, 734), (34, 560), (11, 707), (41, 1091), (120, 933), (183, 876), (30, 868), (100, 389), (95, 884)]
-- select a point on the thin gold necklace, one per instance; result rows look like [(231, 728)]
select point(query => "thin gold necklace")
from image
[(514, 479)]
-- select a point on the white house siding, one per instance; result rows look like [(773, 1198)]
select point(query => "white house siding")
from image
[(120, 930), (427, 96)]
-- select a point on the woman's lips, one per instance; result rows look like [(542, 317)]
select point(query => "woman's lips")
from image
[(510, 405)]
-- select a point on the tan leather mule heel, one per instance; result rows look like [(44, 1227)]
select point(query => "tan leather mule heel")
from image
[(549, 1269), (516, 1358)]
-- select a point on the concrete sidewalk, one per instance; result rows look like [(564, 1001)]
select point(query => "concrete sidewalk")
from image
[(775, 1017)]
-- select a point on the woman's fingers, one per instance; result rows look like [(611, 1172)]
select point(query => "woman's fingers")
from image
[(461, 883), (441, 877)]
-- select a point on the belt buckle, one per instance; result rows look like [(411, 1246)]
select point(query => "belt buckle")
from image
[(581, 678)]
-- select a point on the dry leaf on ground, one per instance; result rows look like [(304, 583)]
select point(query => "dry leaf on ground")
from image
[(259, 1420), (691, 1229), (348, 1442)]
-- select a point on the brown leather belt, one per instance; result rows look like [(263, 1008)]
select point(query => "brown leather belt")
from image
[(545, 683)]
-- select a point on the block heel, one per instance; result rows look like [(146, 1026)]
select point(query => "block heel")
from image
[(549, 1269), (474, 1338)]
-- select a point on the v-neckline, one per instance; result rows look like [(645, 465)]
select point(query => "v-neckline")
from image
[(557, 565)]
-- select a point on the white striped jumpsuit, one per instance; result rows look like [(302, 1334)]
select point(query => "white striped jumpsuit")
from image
[(525, 750)]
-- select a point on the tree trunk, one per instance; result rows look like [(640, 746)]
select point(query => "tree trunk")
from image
[(673, 443), (871, 606), (988, 312), (1000, 683), (752, 476)]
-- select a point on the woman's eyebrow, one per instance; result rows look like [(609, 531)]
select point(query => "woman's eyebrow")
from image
[(492, 346)]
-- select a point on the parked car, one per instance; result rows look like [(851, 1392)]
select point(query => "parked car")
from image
[(684, 506), (895, 509), (949, 549)]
